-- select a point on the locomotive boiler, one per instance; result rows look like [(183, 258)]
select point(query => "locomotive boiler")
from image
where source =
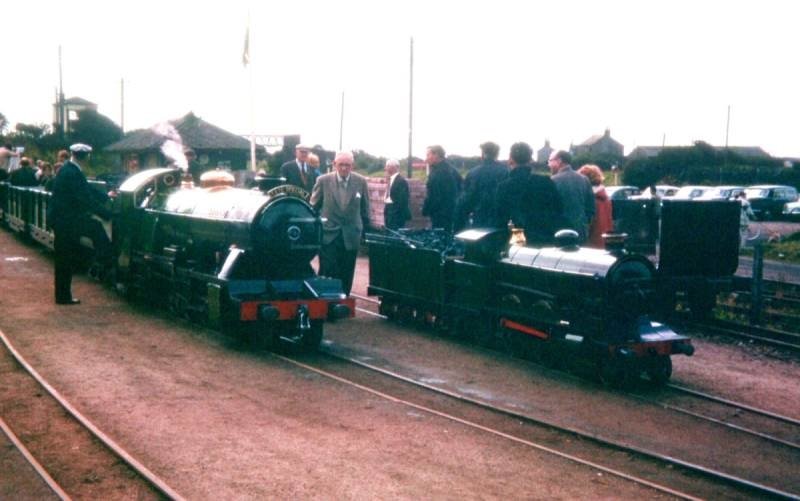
[(236, 259)]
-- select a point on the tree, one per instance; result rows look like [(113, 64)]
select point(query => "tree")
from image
[(31, 132), (3, 124), (94, 129)]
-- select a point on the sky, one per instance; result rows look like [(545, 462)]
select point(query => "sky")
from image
[(563, 70)]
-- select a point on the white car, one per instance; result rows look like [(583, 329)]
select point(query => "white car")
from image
[(691, 192), (722, 193), (663, 190), (791, 211)]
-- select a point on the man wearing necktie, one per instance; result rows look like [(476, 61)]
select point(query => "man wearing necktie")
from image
[(298, 172), (342, 200), (396, 211)]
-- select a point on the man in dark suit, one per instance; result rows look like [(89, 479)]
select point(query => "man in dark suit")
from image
[(577, 196), (476, 205), (396, 211), (528, 200), (69, 214), (342, 199), (25, 175), (298, 172), (443, 189)]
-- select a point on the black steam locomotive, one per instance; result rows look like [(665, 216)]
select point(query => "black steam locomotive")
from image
[(236, 259), (549, 303)]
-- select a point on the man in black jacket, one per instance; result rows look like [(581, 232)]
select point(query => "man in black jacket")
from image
[(69, 214), (443, 189), (298, 172), (396, 211), (476, 205), (528, 200), (25, 175)]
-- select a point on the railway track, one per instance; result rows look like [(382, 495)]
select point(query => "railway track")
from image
[(789, 341), (780, 431), (72, 456), (775, 428)]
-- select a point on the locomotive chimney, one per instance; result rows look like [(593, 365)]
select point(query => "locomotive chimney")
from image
[(615, 242)]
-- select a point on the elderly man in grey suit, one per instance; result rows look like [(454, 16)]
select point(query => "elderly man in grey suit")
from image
[(575, 190), (342, 199)]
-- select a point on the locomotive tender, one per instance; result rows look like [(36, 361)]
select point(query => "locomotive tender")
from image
[(548, 303), (238, 260)]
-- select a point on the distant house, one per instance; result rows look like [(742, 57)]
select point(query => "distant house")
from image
[(543, 155), (71, 108), (742, 151), (215, 147), (599, 145)]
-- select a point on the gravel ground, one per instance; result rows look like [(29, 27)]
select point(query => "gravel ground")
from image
[(217, 422)]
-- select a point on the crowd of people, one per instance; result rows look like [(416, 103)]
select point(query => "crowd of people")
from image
[(19, 170), (492, 194)]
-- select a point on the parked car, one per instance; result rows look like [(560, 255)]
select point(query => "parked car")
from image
[(722, 193), (791, 211), (663, 190), (621, 192), (690, 192), (767, 200)]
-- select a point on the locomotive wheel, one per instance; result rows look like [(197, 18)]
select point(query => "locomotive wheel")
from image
[(659, 370), (521, 346), (615, 373), (405, 315), (482, 331), (701, 301), (389, 309)]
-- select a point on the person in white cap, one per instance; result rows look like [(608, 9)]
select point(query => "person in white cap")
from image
[(69, 212), (298, 171)]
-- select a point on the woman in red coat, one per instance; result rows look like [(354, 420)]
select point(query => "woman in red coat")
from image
[(602, 221)]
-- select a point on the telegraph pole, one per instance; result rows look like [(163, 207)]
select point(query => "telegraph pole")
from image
[(410, 106), (122, 104), (727, 130), (341, 122), (62, 119)]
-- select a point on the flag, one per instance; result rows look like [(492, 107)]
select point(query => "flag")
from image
[(246, 52)]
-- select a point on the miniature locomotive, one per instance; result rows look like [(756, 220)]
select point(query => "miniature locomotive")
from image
[(549, 303), (238, 260)]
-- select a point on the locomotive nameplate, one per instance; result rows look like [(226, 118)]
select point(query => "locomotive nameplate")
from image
[(288, 189)]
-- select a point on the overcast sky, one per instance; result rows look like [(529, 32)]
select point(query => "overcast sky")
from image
[(499, 70)]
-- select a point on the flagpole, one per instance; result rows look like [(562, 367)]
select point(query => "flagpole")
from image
[(246, 61), (410, 106), (341, 122)]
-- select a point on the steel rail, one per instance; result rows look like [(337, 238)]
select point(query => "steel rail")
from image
[(732, 479), (471, 424), (720, 422), (732, 403), (38, 468), (149, 476)]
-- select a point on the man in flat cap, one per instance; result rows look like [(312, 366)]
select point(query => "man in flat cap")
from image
[(298, 171), (69, 214)]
